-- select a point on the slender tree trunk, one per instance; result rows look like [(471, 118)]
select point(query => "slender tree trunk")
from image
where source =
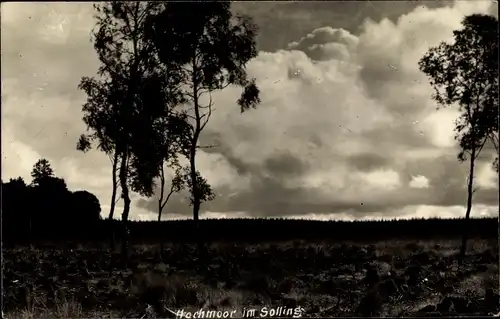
[(196, 197), (160, 209), (194, 144), (115, 186), (160, 206), (162, 203), (162, 190), (470, 191), (113, 202), (126, 207)]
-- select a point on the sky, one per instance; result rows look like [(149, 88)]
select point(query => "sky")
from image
[(346, 129)]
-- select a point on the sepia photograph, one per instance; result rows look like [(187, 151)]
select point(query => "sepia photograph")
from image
[(249, 159)]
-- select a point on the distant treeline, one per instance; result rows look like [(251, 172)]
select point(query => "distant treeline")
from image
[(46, 210), (258, 230), (291, 229)]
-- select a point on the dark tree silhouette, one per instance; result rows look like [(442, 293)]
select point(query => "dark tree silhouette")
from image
[(15, 208), (127, 104), (466, 73), (52, 197), (41, 170), (209, 48), (46, 187), (16, 184), (46, 208), (85, 209), (166, 131)]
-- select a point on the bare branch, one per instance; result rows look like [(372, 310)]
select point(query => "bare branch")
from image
[(207, 146), (209, 114), (480, 148), (494, 140)]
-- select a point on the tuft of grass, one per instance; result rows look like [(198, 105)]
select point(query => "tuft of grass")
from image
[(162, 291), (62, 309)]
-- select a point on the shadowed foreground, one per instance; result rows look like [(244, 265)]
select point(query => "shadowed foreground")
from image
[(396, 278)]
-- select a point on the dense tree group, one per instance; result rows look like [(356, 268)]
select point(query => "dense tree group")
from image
[(145, 107), (46, 207)]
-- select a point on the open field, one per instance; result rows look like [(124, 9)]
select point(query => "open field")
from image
[(389, 278)]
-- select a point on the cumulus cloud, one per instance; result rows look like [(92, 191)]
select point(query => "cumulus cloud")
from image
[(346, 129), (326, 44), (419, 182)]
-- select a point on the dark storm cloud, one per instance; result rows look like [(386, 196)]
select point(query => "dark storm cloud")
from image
[(295, 19), (367, 162)]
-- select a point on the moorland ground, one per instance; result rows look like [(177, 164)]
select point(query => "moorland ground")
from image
[(389, 278)]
